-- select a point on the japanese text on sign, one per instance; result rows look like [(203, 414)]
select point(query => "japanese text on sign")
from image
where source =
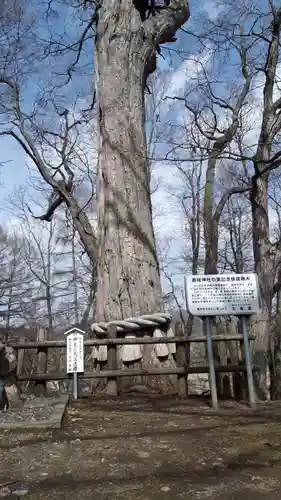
[(75, 351), (228, 294)]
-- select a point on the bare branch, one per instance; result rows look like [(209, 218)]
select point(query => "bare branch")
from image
[(164, 26), (225, 197)]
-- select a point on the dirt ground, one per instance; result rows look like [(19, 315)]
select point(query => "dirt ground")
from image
[(141, 448)]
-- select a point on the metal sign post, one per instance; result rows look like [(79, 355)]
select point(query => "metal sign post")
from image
[(219, 295), (75, 355)]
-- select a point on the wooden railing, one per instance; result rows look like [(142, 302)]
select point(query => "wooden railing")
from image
[(112, 373)]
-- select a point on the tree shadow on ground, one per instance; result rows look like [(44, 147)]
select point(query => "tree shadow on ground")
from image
[(167, 472), (185, 407), (61, 436)]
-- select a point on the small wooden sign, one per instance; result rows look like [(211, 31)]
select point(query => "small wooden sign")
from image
[(75, 350), (75, 355)]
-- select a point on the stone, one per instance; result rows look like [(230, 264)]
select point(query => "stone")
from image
[(197, 384), (8, 365), (140, 389), (20, 493), (165, 489), (5, 492), (13, 396), (12, 358), (143, 454), (8, 361), (4, 403)]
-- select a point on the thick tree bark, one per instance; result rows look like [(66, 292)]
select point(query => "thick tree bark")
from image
[(212, 214), (210, 223), (264, 257), (275, 359), (275, 347), (264, 252), (128, 269), (211, 235)]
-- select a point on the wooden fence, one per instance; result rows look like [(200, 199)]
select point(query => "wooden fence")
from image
[(112, 373)]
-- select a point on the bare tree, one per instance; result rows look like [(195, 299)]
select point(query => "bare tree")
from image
[(235, 253), (251, 31), (62, 277), (127, 39), (124, 208), (216, 140), (16, 280)]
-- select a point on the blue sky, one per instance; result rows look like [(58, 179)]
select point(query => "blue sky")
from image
[(13, 170), (13, 161), (170, 223), (15, 173)]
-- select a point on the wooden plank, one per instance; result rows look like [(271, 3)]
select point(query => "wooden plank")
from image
[(20, 357), (126, 341), (42, 360), (111, 387), (181, 357), (136, 373)]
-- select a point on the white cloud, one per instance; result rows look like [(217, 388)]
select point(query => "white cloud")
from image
[(169, 221), (254, 109), (212, 9), (189, 70), (28, 226)]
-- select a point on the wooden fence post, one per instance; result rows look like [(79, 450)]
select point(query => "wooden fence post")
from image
[(217, 350), (111, 387), (20, 358), (42, 360), (240, 379), (181, 356)]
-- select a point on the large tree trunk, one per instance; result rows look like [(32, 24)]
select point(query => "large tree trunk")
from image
[(264, 257), (211, 232), (128, 269), (275, 348), (275, 358), (264, 252)]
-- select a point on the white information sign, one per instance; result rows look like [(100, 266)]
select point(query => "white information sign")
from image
[(75, 350), (224, 294)]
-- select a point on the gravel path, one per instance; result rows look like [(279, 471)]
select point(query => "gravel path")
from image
[(33, 408)]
